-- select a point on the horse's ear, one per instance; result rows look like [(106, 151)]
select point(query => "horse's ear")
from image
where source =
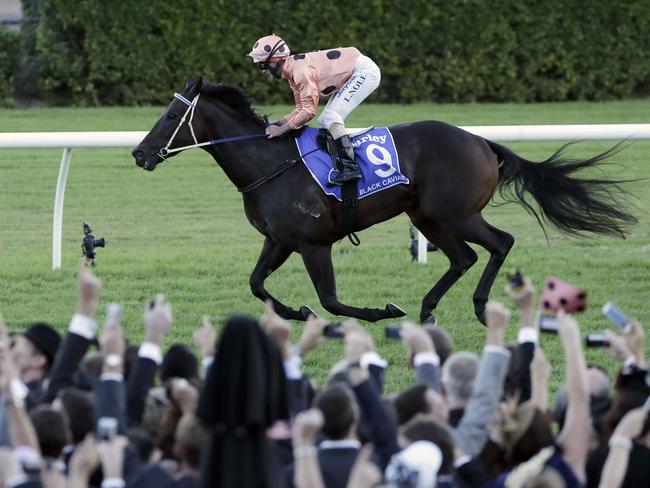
[(194, 86)]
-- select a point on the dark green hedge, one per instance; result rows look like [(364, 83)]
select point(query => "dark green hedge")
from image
[(119, 52), (9, 55)]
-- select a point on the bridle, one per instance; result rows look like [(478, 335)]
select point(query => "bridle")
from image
[(191, 106), (165, 151)]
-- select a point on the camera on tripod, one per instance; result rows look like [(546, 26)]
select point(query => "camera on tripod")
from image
[(89, 243)]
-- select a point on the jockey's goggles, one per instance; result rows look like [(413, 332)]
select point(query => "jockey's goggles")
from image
[(264, 65)]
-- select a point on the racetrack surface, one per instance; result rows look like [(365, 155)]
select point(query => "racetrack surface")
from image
[(181, 230)]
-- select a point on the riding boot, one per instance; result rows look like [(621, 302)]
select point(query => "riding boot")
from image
[(345, 154)]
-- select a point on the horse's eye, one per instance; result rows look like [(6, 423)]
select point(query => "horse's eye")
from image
[(171, 115)]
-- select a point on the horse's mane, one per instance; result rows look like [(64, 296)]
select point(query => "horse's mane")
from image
[(234, 98)]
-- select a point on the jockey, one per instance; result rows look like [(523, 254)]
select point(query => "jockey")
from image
[(344, 73)]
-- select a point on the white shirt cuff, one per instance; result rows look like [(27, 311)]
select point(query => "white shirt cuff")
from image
[(462, 460), (528, 334), (83, 326), (371, 357), (17, 480), (629, 362), (27, 456), (292, 368), (151, 351), (112, 377), (113, 483), (206, 362), (426, 357), (497, 350)]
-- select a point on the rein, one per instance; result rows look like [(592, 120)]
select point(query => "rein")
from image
[(191, 106)]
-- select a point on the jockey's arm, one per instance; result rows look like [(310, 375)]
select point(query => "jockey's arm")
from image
[(306, 95)]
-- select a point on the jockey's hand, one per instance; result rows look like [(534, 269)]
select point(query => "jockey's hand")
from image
[(277, 130)]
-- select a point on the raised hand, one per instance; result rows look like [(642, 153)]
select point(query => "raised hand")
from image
[(89, 287), (205, 337), (278, 328), (157, 320), (312, 334)]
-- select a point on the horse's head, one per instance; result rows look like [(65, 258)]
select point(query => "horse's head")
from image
[(173, 129)]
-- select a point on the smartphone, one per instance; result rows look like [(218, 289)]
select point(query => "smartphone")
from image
[(547, 324), (516, 280), (114, 313), (106, 428), (616, 315), (596, 339), (392, 332), (333, 331)]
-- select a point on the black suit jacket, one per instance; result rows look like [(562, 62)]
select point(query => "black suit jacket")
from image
[(69, 355), (335, 466), (139, 383)]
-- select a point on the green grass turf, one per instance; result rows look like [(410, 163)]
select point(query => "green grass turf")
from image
[(181, 230)]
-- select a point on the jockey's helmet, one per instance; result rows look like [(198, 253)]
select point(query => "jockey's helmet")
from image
[(269, 48)]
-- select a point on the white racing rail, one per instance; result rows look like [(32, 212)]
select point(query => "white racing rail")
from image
[(69, 140)]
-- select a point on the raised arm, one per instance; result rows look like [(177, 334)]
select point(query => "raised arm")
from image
[(421, 355), (472, 432), (79, 336), (527, 338), (157, 321), (620, 445), (574, 437), (306, 468)]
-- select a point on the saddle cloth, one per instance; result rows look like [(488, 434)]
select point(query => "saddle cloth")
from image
[(374, 152)]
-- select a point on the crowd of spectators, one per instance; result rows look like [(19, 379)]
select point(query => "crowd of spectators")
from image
[(88, 409)]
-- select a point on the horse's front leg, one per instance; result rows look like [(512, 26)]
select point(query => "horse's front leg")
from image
[(273, 256), (318, 261)]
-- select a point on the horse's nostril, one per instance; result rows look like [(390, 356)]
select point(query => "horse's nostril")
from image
[(137, 154)]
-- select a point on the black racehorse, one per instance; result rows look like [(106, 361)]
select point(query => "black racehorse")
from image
[(453, 175)]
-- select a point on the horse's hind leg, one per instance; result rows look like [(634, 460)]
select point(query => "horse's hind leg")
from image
[(498, 243), (318, 261), (273, 256), (461, 258)]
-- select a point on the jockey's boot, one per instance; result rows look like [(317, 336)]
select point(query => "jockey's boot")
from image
[(345, 154)]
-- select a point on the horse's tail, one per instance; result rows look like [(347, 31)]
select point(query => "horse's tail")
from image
[(574, 205)]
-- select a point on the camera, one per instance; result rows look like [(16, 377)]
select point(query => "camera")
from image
[(516, 280), (596, 339), (333, 331), (106, 428), (89, 243), (392, 332), (617, 316)]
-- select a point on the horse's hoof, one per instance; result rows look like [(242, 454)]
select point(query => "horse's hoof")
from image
[(305, 311), (395, 311), (481, 317), (430, 320)]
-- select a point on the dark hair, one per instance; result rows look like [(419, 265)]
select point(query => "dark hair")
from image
[(537, 436), (142, 442), (78, 406), (89, 371), (179, 362), (51, 430), (426, 428), (338, 408), (625, 400), (441, 341), (410, 402)]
